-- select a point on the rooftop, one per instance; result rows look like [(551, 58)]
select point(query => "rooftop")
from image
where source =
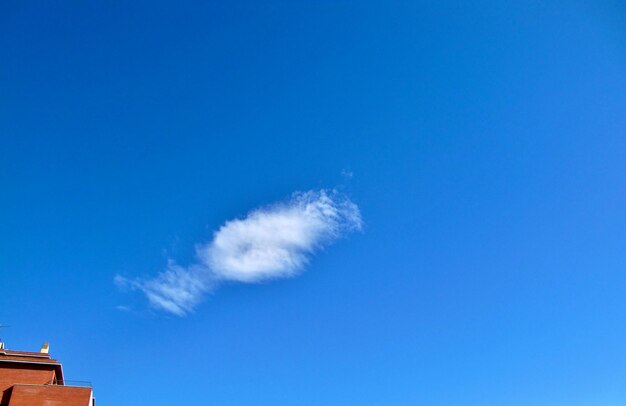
[(30, 378)]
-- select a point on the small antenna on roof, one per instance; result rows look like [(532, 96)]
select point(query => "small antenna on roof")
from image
[(1, 343)]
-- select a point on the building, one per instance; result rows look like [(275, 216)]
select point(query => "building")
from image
[(35, 379)]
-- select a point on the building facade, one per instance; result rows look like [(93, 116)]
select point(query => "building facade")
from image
[(35, 379)]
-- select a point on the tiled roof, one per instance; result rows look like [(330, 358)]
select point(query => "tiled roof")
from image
[(26, 356)]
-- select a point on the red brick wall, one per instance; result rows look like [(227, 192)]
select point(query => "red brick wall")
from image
[(12, 374), (25, 395)]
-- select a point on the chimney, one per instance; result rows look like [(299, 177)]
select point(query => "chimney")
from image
[(45, 348)]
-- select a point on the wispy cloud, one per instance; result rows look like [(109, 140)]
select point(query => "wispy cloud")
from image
[(177, 290), (272, 242)]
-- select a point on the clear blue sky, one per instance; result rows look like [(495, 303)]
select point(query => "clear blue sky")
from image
[(484, 145)]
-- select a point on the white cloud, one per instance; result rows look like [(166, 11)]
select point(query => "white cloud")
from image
[(271, 242), (177, 290), (276, 241)]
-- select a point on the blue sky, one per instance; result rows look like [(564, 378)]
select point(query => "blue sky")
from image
[(428, 198)]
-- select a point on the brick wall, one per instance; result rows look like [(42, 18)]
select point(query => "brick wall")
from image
[(26, 395), (23, 373)]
